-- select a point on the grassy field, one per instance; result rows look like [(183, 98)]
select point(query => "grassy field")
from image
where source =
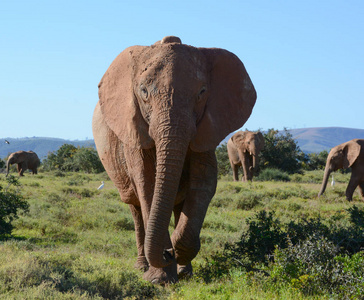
[(78, 243)]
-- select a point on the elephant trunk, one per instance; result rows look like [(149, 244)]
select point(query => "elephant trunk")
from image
[(255, 161), (325, 180), (171, 152)]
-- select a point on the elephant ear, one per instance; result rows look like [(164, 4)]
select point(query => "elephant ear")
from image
[(238, 138), (118, 103), (351, 153), (231, 99), (260, 138)]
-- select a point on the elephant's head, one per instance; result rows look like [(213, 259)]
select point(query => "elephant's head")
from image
[(12, 159), (173, 97), (342, 156)]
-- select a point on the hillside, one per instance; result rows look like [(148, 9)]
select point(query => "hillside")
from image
[(322, 138), (40, 145), (309, 140)]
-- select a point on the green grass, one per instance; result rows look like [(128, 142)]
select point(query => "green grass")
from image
[(78, 243)]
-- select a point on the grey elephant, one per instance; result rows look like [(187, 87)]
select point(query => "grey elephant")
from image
[(343, 156), (243, 150), (25, 160), (162, 111)]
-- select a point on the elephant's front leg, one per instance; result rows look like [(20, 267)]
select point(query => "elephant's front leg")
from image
[(245, 166), (235, 169), (141, 263), (141, 168), (202, 187)]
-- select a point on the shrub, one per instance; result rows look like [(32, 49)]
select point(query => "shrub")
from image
[(10, 205), (315, 266), (281, 152), (70, 158), (311, 256), (273, 175)]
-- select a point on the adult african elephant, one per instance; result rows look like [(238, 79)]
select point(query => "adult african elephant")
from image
[(343, 156), (243, 150), (25, 160), (162, 111)]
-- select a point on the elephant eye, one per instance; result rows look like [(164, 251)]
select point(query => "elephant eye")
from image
[(144, 93), (202, 91)]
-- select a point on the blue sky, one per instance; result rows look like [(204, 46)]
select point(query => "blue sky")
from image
[(305, 58)]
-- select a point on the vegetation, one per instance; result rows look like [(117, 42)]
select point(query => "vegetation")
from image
[(260, 240), (11, 203), (2, 164), (70, 158)]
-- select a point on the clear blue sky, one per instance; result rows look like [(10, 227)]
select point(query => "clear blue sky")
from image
[(305, 58)]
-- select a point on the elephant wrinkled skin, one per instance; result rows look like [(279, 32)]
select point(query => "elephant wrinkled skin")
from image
[(343, 156), (162, 111), (243, 150), (25, 160)]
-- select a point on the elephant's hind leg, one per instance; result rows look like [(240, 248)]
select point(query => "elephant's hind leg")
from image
[(361, 189), (353, 183)]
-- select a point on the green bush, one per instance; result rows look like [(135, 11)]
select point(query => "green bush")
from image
[(10, 205), (281, 152), (311, 256), (315, 266), (70, 158), (273, 175)]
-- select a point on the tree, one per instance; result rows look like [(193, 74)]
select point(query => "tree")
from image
[(87, 160), (223, 163), (2, 164), (281, 152), (70, 158), (316, 161)]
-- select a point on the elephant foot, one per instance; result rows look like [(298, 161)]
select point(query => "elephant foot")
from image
[(142, 264), (162, 276), (184, 272)]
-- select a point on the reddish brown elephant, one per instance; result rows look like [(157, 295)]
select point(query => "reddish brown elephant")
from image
[(243, 150), (343, 156), (25, 160), (162, 111)]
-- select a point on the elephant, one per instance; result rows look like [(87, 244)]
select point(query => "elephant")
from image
[(343, 156), (243, 150), (25, 160), (162, 111)]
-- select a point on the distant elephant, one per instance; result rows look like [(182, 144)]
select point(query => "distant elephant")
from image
[(343, 156), (243, 150), (162, 111), (25, 160)]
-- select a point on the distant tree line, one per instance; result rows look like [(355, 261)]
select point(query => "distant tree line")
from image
[(281, 152), (71, 158)]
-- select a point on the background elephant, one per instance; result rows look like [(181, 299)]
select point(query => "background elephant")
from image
[(162, 111), (343, 156), (25, 160), (243, 150)]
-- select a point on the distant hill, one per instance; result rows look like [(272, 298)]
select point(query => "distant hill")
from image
[(324, 138), (309, 140), (321, 138), (40, 145)]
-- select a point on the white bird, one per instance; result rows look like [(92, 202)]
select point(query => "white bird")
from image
[(7, 142), (101, 186), (333, 181)]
